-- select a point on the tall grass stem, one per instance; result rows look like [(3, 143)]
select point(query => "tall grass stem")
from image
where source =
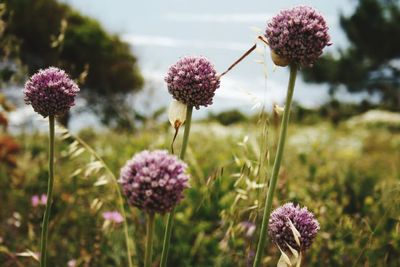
[(117, 188)]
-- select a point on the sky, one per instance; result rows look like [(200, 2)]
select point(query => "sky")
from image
[(161, 32)]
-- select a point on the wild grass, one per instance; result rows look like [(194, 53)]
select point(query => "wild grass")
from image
[(348, 176)]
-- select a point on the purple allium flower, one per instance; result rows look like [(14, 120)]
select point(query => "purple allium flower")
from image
[(154, 181), (280, 230), (113, 216), (50, 92), (298, 35), (193, 81)]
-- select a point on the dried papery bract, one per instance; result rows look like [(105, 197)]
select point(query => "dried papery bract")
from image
[(279, 60), (177, 113), (50, 92)]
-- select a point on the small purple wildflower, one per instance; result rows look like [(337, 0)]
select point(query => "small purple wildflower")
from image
[(281, 232), (248, 227), (298, 35), (154, 181), (193, 81), (43, 199), (36, 200), (113, 216), (250, 258), (50, 92)]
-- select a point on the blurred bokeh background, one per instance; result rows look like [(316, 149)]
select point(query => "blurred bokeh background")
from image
[(343, 158)]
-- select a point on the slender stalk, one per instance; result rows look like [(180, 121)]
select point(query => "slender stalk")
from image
[(370, 238), (248, 52), (170, 219), (46, 217), (275, 169), (262, 38), (149, 239), (117, 188)]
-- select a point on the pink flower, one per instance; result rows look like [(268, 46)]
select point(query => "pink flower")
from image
[(35, 200), (43, 199), (113, 216), (72, 263)]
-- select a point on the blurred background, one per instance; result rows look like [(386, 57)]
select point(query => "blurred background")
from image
[(343, 149)]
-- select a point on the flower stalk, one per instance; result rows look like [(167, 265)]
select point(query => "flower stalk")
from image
[(170, 218), (149, 239), (46, 217), (276, 167), (248, 52)]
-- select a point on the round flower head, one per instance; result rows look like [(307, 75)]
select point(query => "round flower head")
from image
[(50, 92), (154, 181), (288, 221), (193, 81), (298, 35)]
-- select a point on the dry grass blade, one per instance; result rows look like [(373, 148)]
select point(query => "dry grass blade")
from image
[(94, 167)]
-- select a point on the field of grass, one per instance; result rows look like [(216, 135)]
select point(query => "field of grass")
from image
[(348, 176)]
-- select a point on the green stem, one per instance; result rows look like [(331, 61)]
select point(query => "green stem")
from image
[(149, 240), (186, 132), (170, 219), (275, 169), (117, 188), (46, 217)]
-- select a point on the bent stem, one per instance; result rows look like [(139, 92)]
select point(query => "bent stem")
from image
[(248, 52), (170, 219), (149, 240), (275, 169), (46, 217)]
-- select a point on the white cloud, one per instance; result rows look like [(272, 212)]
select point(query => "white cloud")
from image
[(219, 18), (231, 17), (163, 41)]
